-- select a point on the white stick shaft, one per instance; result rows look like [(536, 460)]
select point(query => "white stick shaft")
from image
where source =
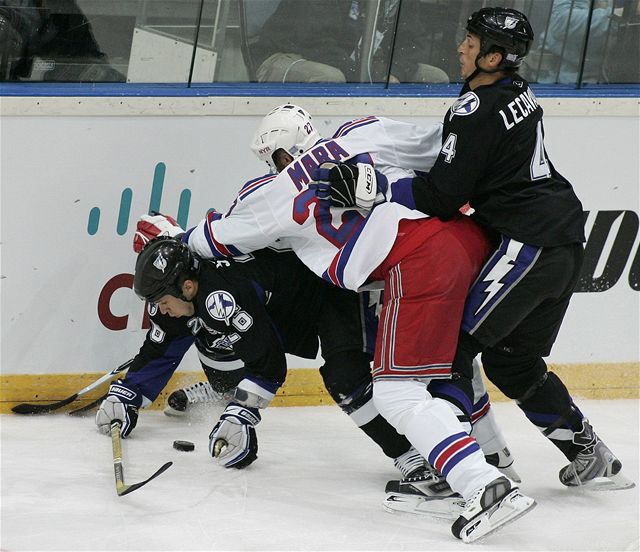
[(106, 377)]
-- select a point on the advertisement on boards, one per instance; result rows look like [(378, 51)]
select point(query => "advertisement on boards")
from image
[(74, 187)]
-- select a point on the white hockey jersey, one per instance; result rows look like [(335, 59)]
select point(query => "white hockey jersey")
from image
[(343, 246)]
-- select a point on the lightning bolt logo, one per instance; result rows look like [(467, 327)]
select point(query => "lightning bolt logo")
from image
[(221, 305), (494, 278)]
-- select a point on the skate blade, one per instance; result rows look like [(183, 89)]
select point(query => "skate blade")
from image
[(448, 508), (172, 412), (617, 482), (508, 510)]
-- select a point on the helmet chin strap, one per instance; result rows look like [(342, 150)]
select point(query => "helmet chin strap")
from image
[(481, 70)]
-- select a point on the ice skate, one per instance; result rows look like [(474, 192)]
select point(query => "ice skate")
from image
[(504, 462), (179, 401), (425, 493), (595, 468), (491, 507), (410, 464)]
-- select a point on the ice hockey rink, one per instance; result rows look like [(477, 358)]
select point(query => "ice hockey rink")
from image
[(317, 485)]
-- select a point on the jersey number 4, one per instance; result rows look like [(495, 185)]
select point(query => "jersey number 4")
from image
[(539, 164), (449, 147)]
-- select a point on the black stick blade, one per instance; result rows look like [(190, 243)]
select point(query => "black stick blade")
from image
[(126, 489), (27, 408)]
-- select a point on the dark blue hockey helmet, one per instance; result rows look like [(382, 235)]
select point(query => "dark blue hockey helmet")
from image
[(503, 30), (162, 267)]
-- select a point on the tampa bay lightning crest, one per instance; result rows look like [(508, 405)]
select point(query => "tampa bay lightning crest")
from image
[(221, 305), (465, 105), (160, 263)]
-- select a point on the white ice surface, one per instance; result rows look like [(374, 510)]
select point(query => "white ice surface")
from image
[(317, 485)]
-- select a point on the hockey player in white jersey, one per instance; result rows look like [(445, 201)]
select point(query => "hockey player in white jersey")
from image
[(426, 267)]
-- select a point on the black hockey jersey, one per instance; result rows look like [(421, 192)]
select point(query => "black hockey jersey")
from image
[(493, 157), (255, 308)]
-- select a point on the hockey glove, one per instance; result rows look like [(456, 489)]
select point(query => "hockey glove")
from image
[(233, 439), (122, 404), (350, 185), (152, 226)]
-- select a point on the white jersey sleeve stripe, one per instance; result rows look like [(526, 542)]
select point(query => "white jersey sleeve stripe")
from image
[(349, 126)]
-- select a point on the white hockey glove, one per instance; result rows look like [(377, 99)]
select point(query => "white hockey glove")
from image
[(233, 441), (351, 185), (122, 404), (152, 226)]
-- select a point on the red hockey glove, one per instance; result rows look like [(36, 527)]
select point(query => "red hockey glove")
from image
[(152, 226)]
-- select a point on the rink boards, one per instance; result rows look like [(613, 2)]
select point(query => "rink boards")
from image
[(77, 173)]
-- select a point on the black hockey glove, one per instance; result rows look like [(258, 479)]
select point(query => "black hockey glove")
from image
[(233, 439), (122, 404), (350, 185)]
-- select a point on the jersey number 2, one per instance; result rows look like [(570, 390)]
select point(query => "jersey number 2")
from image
[(350, 220)]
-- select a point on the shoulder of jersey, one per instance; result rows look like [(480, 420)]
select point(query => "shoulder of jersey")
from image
[(480, 102), (254, 185), (350, 126), (472, 103)]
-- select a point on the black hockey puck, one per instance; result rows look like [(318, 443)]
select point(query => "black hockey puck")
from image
[(185, 446)]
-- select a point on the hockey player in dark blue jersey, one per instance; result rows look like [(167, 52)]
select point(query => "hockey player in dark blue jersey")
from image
[(255, 309)]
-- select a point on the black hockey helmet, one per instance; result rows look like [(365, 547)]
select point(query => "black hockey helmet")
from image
[(161, 268), (504, 30)]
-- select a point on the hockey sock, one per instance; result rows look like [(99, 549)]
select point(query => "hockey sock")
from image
[(435, 432), (550, 408), (386, 437)]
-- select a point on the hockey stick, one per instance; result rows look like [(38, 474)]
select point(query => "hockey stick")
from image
[(83, 410), (27, 408), (121, 488)]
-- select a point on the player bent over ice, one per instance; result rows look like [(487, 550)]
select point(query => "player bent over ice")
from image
[(427, 265), (243, 315)]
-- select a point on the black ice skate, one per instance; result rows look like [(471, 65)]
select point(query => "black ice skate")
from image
[(201, 392), (595, 468), (426, 493), (491, 507)]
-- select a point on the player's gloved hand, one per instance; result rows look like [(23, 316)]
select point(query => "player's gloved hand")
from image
[(233, 439), (152, 226), (122, 404), (350, 185)]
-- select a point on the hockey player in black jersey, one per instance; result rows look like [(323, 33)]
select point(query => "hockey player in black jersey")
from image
[(493, 157), (255, 308)]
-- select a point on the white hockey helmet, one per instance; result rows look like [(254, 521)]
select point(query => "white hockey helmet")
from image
[(288, 127)]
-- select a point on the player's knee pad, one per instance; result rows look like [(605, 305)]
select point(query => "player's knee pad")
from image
[(223, 381), (397, 400), (346, 375), (513, 374)]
